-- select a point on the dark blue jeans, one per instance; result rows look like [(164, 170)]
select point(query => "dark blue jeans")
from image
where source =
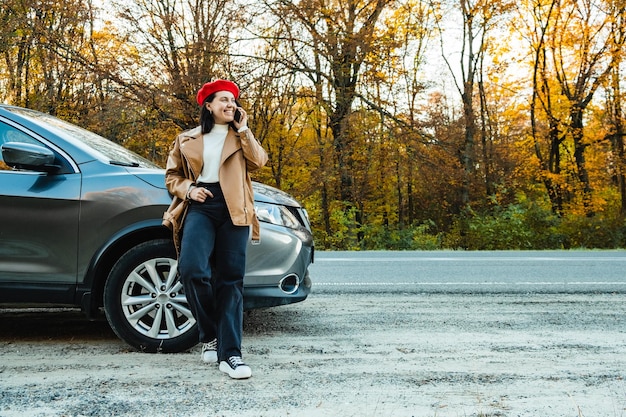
[(212, 264)]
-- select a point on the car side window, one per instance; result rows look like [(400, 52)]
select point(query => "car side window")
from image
[(11, 134)]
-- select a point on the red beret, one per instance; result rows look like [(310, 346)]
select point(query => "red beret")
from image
[(215, 86)]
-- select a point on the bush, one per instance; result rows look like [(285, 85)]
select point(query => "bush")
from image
[(417, 237), (599, 232), (522, 225), (519, 226)]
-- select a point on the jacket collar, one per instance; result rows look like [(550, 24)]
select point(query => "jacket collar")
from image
[(194, 147)]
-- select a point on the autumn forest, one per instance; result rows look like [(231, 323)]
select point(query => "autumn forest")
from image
[(398, 124)]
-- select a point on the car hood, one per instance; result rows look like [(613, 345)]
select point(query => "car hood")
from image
[(267, 194), (154, 177)]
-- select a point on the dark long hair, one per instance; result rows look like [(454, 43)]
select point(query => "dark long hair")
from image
[(206, 117)]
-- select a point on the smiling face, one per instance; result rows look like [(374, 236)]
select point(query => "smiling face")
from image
[(223, 107)]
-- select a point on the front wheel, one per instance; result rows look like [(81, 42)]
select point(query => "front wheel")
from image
[(145, 303)]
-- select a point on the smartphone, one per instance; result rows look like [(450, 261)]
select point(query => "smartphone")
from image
[(237, 115)]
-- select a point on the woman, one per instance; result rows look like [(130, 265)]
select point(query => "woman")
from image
[(211, 214)]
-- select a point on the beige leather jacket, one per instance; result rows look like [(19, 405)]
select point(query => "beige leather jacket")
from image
[(242, 153)]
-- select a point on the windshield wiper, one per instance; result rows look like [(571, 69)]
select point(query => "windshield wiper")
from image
[(125, 164)]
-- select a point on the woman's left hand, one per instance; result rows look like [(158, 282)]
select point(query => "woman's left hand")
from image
[(243, 120)]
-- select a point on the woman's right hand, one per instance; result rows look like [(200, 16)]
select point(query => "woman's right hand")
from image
[(200, 194)]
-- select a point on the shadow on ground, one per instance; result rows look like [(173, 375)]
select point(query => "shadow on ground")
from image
[(45, 324)]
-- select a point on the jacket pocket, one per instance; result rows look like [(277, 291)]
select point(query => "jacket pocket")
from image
[(174, 214)]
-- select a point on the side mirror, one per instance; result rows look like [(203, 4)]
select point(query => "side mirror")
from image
[(27, 156)]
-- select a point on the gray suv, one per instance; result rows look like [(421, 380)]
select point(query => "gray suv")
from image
[(80, 225)]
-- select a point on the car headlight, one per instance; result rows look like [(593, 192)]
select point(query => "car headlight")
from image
[(276, 214)]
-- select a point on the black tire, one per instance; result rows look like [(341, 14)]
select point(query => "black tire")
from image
[(145, 303)]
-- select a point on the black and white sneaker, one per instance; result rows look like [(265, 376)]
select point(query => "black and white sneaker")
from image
[(209, 351), (236, 368)]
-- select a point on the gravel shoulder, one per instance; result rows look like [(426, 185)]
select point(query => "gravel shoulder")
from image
[(356, 354)]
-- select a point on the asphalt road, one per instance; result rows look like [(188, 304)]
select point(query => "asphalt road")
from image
[(383, 334), (471, 272)]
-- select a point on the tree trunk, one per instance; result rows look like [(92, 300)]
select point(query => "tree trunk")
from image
[(467, 154), (617, 137), (576, 116)]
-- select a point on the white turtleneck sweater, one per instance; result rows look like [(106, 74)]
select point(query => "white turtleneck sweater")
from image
[(213, 145)]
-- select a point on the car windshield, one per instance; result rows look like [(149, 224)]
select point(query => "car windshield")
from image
[(114, 153)]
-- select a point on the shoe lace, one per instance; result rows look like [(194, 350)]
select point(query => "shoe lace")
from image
[(235, 361), (212, 345)]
